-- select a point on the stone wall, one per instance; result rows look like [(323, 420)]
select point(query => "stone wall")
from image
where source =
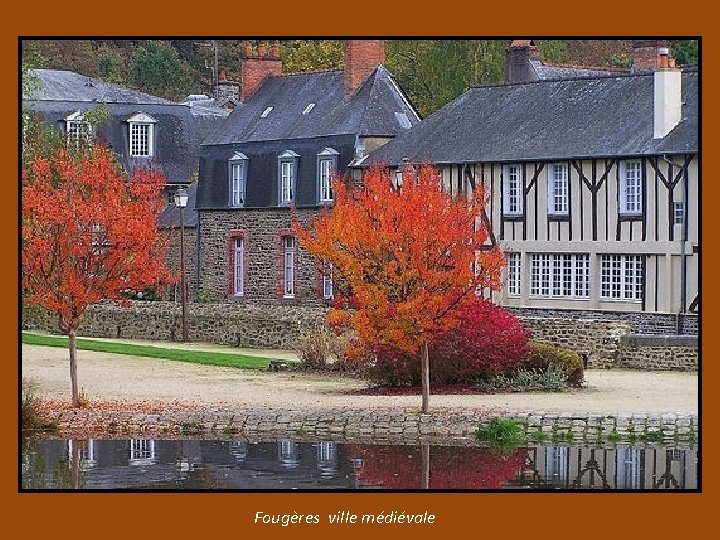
[(377, 426), (666, 353), (232, 324), (262, 230), (640, 322)]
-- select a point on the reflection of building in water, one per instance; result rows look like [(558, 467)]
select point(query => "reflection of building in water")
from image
[(142, 452), (239, 450), (86, 452), (288, 454), (621, 467), (326, 456)]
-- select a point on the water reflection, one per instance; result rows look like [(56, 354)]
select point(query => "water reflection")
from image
[(246, 465)]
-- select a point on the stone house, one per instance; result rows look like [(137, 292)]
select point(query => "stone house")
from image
[(142, 130), (593, 181), (278, 149)]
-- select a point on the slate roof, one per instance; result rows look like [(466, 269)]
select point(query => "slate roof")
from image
[(543, 72), (546, 120), (369, 112)]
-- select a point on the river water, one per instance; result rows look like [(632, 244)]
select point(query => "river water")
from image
[(195, 464)]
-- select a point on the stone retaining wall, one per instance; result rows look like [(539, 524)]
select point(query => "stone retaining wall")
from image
[(377, 425), (664, 353)]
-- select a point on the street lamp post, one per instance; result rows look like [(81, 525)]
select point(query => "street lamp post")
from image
[(181, 199)]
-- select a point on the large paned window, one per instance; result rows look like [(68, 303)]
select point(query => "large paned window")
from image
[(513, 281), (560, 275), (237, 173), (512, 190), (326, 167), (630, 187), (621, 277), (142, 128), (287, 177), (558, 189), (289, 266)]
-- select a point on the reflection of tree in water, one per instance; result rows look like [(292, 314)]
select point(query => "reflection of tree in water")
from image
[(446, 467), (65, 473)]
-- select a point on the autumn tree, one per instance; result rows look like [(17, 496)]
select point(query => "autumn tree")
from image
[(412, 257), (88, 233)]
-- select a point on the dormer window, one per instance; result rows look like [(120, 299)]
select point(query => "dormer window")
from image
[(237, 175), (287, 177), (79, 131), (326, 167), (142, 127)]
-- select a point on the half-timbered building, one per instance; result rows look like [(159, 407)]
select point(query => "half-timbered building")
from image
[(593, 184)]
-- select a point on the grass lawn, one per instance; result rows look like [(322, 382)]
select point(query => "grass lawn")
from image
[(180, 355)]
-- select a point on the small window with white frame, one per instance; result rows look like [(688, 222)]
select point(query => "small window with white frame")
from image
[(239, 266), (326, 167), (514, 273), (79, 130), (287, 177), (630, 190), (512, 190), (327, 282), (237, 174), (289, 246), (142, 131), (678, 212), (558, 189)]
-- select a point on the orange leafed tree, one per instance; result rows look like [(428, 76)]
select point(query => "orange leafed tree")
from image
[(88, 233), (412, 257)]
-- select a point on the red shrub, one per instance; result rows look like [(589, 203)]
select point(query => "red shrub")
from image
[(489, 341)]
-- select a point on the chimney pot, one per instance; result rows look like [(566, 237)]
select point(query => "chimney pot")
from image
[(262, 48), (247, 49), (275, 50)]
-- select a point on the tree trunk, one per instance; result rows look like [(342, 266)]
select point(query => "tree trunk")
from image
[(73, 367), (425, 377), (425, 449)]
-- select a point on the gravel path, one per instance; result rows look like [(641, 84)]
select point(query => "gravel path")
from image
[(107, 377)]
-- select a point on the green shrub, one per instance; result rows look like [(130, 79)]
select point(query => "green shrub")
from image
[(552, 379), (502, 433), (543, 356)]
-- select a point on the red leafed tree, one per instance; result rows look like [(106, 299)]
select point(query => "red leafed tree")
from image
[(412, 258), (88, 233)]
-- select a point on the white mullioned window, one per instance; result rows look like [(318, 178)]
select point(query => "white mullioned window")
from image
[(79, 131), (513, 281), (287, 177), (621, 277), (512, 190), (142, 451), (239, 267), (327, 282), (289, 266), (142, 127), (558, 189), (326, 166), (630, 187), (237, 173), (560, 275)]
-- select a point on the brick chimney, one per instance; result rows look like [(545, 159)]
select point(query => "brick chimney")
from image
[(361, 57), (646, 54), (667, 95), (256, 67), (517, 61)]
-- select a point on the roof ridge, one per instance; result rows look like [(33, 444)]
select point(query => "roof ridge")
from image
[(312, 72), (593, 68)]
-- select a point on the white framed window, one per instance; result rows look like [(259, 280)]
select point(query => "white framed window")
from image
[(513, 281), (289, 267), (239, 266), (621, 277), (560, 275), (142, 451), (512, 190), (287, 177), (79, 131), (288, 454), (630, 187), (558, 189), (326, 166), (237, 174), (327, 283), (678, 212), (142, 127)]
